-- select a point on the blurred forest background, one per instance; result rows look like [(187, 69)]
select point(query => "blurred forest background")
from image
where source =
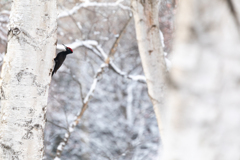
[(119, 122)]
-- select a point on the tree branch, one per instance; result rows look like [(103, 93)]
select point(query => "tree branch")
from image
[(92, 4)]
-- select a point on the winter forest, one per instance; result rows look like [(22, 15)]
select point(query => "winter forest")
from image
[(147, 80)]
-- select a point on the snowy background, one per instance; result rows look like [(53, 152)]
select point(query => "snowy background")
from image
[(119, 122)]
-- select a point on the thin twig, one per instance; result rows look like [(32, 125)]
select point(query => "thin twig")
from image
[(84, 107), (92, 4), (115, 45), (73, 19), (90, 93), (77, 81), (57, 125)]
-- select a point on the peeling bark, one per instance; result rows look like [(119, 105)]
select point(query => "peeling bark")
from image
[(26, 75)]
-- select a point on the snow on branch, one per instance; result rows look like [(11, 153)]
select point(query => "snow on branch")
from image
[(97, 49), (90, 44), (112, 51), (92, 4), (140, 78)]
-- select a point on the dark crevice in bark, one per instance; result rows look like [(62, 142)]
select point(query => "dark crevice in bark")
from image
[(9, 152), (234, 13)]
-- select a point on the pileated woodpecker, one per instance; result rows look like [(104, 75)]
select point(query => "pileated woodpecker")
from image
[(60, 58)]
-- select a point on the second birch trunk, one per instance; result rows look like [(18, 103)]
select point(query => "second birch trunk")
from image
[(151, 52)]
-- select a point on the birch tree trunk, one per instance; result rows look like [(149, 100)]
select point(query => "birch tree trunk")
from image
[(203, 103), (26, 75), (151, 52)]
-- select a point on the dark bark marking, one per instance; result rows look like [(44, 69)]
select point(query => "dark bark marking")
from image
[(56, 42), (16, 31), (40, 88), (29, 127), (7, 150), (50, 72), (142, 2), (154, 101), (234, 13), (154, 26), (2, 94), (28, 135), (13, 32), (26, 37), (150, 52), (38, 126), (19, 76), (141, 20), (23, 73)]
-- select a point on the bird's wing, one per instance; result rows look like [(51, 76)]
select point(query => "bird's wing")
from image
[(57, 66), (58, 62)]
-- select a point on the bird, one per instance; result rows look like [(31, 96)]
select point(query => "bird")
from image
[(60, 58)]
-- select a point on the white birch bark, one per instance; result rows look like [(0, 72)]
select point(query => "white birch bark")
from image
[(26, 75), (149, 44), (203, 121)]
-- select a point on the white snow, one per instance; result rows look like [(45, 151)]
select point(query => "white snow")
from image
[(60, 146), (117, 69), (66, 135), (124, 74), (137, 77), (90, 92), (162, 38), (79, 25), (102, 52), (96, 32), (92, 4), (168, 63)]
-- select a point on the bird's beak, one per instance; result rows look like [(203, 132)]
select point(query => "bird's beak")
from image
[(64, 46)]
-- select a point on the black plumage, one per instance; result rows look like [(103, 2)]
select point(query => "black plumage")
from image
[(61, 56)]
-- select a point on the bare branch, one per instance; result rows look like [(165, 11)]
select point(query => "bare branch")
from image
[(97, 49), (92, 4), (115, 45)]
